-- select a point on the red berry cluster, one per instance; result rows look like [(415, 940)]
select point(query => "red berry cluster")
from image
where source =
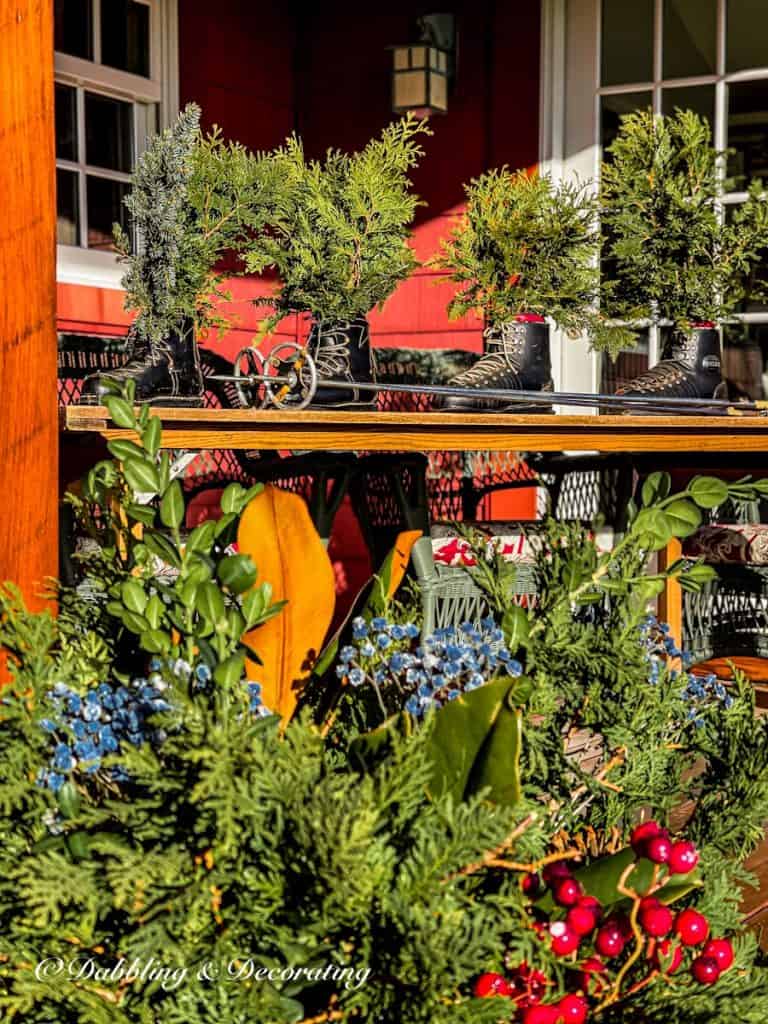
[(652, 841), (580, 920)]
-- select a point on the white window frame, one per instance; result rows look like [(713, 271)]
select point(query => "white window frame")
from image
[(569, 145), (76, 264)]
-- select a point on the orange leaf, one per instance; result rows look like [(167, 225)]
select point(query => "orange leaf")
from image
[(278, 534), (401, 554)]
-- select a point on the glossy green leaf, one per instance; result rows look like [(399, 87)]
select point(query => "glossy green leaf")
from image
[(708, 491), (151, 435), (153, 612), (201, 538), (371, 748), (172, 506), (162, 549), (141, 476), (231, 671), (68, 798), (121, 412), (231, 498), (515, 626), (135, 622), (656, 487), (237, 573), (683, 517), (134, 596), (124, 449), (209, 602), (464, 751), (144, 514)]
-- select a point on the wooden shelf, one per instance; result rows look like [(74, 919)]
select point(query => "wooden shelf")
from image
[(320, 430)]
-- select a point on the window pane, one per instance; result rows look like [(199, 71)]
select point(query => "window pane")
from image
[(748, 132), (108, 132), (690, 32), (612, 108), (747, 35), (125, 36), (73, 32), (67, 217), (745, 360), (627, 41), (699, 98), (66, 123), (105, 207)]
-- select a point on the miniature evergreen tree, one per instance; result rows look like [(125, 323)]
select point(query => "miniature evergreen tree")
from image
[(527, 245), (338, 232), (671, 256), (192, 198)]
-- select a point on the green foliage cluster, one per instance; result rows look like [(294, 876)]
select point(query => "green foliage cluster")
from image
[(235, 842), (162, 590), (192, 199), (338, 230), (528, 245), (669, 255)]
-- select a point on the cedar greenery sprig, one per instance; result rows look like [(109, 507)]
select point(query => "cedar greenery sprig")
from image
[(670, 255), (338, 233), (527, 245), (192, 198)]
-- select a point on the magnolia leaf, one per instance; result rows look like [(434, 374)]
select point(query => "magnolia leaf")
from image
[(277, 533), (465, 750)]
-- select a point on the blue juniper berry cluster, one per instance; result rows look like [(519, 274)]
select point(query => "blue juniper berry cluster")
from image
[(449, 662), (704, 693), (96, 724), (89, 726)]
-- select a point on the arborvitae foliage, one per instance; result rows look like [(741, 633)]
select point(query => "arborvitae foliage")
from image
[(338, 233), (527, 245), (670, 256), (191, 199)]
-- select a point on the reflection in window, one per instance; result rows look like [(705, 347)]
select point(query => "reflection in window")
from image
[(746, 35), (745, 360), (748, 131), (690, 33), (66, 123), (67, 206), (125, 36), (72, 28), (105, 207), (108, 132), (627, 41)]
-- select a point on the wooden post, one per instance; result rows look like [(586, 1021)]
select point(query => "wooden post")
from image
[(28, 409)]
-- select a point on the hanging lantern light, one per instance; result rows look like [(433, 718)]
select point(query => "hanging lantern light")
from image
[(422, 71)]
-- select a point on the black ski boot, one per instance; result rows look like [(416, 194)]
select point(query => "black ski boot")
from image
[(690, 367), (341, 350), (516, 358), (167, 373)]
